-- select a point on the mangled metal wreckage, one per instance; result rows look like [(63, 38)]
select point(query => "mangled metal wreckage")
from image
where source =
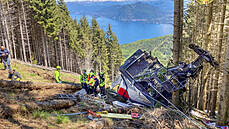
[(145, 80)]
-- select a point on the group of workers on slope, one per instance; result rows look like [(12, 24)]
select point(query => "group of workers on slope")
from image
[(92, 84), (4, 57), (89, 82)]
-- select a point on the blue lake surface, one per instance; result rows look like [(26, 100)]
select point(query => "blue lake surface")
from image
[(128, 32)]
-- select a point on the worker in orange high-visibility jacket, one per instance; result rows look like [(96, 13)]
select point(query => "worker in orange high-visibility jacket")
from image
[(92, 84), (92, 72)]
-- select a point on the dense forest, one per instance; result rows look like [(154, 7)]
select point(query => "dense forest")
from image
[(161, 47), (207, 26), (42, 32)]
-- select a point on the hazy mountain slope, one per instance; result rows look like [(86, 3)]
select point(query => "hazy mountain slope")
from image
[(133, 12), (146, 11)]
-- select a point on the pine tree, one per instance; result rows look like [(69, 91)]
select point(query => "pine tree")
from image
[(85, 42), (114, 53), (177, 36)]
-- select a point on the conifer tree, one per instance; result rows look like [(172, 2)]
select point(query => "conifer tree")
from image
[(114, 53)]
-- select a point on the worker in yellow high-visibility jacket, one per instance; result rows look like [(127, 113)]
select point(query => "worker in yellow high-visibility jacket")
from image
[(102, 83), (57, 74)]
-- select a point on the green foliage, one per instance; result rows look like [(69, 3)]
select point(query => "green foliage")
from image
[(160, 47), (114, 53), (62, 119), (40, 114), (95, 48)]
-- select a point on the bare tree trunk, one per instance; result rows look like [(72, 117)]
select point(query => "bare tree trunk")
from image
[(44, 49), (5, 25), (11, 30), (47, 49), (26, 31), (206, 69), (61, 52), (65, 53), (22, 39), (177, 42), (223, 109), (56, 53), (218, 56)]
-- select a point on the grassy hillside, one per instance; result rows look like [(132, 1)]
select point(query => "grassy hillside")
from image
[(36, 75), (160, 47)]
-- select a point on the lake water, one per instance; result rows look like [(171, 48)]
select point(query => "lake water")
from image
[(128, 32)]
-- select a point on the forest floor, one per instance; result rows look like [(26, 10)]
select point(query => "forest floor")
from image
[(13, 113)]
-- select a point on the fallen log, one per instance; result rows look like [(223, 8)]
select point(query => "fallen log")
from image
[(50, 105), (38, 86), (7, 111)]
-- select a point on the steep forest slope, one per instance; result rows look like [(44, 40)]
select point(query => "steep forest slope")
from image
[(43, 33), (20, 104)]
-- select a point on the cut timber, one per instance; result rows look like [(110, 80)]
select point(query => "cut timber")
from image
[(7, 111), (50, 105), (37, 86)]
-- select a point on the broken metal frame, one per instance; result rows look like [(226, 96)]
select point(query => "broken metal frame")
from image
[(144, 71)]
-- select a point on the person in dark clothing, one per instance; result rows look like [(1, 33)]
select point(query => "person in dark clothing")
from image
[(4, 55), (92, 85), (102, 83), (14, 75)]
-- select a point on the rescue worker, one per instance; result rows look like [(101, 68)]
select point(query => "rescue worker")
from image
[(102, 83), (14, 75), (92, 84), (57, 74), (4, 55), (84, 79), (91, 73)]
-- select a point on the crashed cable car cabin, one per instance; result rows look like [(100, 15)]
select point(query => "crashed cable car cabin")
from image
[(145, 80)]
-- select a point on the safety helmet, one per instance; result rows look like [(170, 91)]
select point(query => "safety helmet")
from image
[(101, 73), (92, 74), (92, 70), (58, 67)]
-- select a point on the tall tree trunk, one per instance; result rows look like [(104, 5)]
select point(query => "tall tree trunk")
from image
[(56, 53), (11, 30), (5, 26), (44, 49), (61, 52), (206, 69), (223, 109), (47, 49), (65, 53), (22, 39), (177, 42), (26, 31), (218, 56)]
